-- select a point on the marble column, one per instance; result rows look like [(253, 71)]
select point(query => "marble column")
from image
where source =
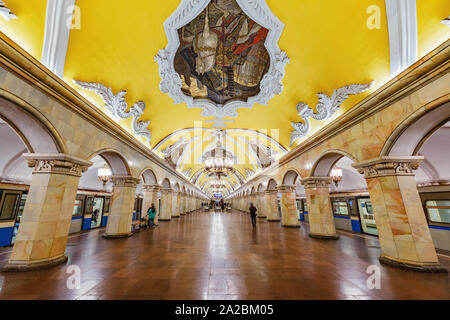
[(289, 213), (404, 235), (272, 206), (182, 203), (176, 204), (321, 219), (166, 205), (44, 226), (261, 205), (122, 203)]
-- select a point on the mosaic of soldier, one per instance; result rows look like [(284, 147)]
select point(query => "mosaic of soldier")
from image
[(222, 54)]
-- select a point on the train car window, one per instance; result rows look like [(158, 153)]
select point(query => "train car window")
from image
[(340, 208), (89, 205), (438, 211), (107, 204), (305, 206), (77, 208), (10, 204)]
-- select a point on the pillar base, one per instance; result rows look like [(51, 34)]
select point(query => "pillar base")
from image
[(322, 237), (261, 217), (164, 219), (117, 236), (273, 220), (175, 217), (292, 227), (22, 266), (412, 267)]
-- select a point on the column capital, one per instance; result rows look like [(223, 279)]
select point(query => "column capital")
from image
[(316, 182), (151, 187), (125, 181), (389, 166), (58, 163), (166, 190), (271, 191), (285, 188)]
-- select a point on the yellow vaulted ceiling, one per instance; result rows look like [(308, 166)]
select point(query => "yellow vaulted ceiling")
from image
[(328, 43)]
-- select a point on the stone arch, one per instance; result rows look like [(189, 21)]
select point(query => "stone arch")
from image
[(272, 185), (149, 177), (411, 134), (166, 183), (253, 190), (260, 187), (35, 130), (322, 167), (176, 187), (115, 160), (291, 177)]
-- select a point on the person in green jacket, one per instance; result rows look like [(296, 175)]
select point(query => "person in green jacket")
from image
[(151, 213)]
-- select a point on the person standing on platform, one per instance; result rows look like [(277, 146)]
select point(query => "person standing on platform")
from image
[(253, 210), (151, 213)]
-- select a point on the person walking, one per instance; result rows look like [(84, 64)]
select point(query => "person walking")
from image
[(253, 210), (151, 213)]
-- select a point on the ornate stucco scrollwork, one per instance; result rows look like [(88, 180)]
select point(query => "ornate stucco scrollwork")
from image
[(5, 12), (389, 166), (316, 182), (57, 164), (285, 188), (325, 109), (151, 188), (116, 104)]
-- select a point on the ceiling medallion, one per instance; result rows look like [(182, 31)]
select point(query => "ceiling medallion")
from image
[(222, 55)]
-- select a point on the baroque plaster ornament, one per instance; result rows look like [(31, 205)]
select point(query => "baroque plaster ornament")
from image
[(117, 105), (446, 21), (271, 83), (326, 108), (265, 154), (187, 172), (249, 173), (175, 151), (6, 13)]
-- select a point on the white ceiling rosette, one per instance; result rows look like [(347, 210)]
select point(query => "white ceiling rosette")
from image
[(271, 84)]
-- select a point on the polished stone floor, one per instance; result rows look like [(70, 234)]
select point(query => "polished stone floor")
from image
[(220, 256)]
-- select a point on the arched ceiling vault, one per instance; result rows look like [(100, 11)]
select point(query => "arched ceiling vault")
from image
[(330, 44)]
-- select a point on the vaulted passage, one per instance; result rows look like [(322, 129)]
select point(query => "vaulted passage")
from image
[(220, 256)]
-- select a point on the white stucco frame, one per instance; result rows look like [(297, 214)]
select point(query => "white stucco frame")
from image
[(271, 84)]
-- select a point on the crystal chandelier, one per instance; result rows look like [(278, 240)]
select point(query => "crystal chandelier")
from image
[(104, 174), (336, 176), (219, 161)]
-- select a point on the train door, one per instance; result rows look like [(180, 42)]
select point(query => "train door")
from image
[(9, 205), (77, 214), (97, 213), (301, 215), (23, 200), (367, 216)]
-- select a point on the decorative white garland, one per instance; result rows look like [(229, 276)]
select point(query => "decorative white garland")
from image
[(6, 13), (117, 105), (271, 84), (325, 109)]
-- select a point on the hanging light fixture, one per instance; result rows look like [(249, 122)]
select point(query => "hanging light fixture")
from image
[(104, 174), (336, 176), (219, 161)]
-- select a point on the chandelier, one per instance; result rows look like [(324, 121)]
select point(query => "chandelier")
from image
[(336, 176), (104, 174), (219, 161)]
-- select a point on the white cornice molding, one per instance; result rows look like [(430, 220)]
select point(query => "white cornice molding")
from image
[(6, 13), (326, 108), (116, 104), (56, 36), (271, 84), (403, 40)]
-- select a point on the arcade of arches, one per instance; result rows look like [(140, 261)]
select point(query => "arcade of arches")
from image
[(368, 183)]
